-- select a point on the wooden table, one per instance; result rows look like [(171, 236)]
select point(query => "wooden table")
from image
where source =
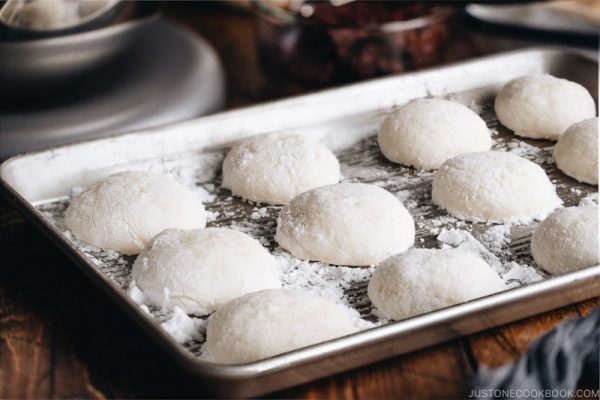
[(61, 338)]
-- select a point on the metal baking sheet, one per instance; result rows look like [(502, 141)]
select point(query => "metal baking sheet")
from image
[(347, 120)]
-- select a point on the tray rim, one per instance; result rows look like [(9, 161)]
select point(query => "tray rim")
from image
[(287, 105), (242, 372), (293, 100)]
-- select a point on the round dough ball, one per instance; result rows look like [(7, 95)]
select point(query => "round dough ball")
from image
[(542, 106), (425, 133), (576, 153), (264, 324), (123, 211), (567, 240), (424, 280), (494, 187), (276, 168), (199, 270), (345, 224)]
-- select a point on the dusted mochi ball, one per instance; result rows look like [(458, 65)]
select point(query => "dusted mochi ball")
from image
[(576, 153), (423, 280), (543, 106), (199, 270), (567, 240), (271, 322), (123, 211), (275, 168), (345, 224), (425, 133), (494, 187)]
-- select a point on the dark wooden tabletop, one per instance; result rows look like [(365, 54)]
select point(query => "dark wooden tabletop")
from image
[(61, 338)]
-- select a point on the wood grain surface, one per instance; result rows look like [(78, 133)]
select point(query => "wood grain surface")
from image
[(61, 338)]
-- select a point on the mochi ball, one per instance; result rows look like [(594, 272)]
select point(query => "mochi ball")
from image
[(123, 211), (199, 270), (423, 280), (543, 106), (345, 224), (271, 322), (275, 168), (427, 132), (576, 153), (567, 240), (494, 187)]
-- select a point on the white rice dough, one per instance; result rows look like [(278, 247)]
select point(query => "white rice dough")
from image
[(271, 322), (345, 224), (275, 168), (199, 270), (567, 240), (576, 153), (425, 133), (494, 187), (123, 211), (423, 280), (543, 106)]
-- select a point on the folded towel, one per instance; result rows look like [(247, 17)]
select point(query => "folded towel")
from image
[(552, 367)]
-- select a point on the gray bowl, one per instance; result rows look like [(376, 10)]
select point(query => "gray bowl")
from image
[(33, 68)]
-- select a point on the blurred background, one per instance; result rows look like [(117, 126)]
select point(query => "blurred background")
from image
[(72, 70)]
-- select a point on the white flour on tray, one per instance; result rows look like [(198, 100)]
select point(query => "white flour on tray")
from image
[(504, 247)]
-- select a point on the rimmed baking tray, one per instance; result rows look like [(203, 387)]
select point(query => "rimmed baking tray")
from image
[(346, 119)]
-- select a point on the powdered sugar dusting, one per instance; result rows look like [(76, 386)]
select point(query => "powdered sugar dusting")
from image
[(589, 200), (496, 237), (532, 153), (183, 328), (336, 283), (136, 294), (492, 248)]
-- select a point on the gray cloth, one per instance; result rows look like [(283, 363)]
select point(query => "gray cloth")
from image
[(552, 367)]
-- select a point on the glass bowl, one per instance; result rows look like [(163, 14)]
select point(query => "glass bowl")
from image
[(322, 45)]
